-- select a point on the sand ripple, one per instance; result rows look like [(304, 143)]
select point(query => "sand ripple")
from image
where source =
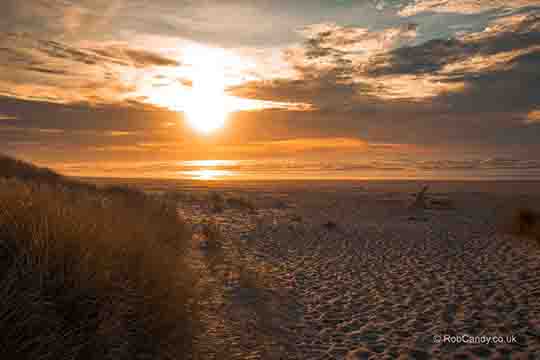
[(383, 283)]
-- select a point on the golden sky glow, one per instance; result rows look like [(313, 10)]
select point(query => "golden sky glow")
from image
[(172, 81), (198, 86)]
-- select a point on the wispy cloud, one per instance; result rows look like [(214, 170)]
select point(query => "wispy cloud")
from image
[(7, 117), (96, 72), (463, 6)]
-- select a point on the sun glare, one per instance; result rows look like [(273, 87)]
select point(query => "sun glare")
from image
[(197, 87), (207, 174), (206, 109), (206, 112)]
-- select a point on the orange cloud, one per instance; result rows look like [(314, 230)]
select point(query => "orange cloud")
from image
[(533, 117), (117, 133), (295, 146), (462, 6), (494, 62)]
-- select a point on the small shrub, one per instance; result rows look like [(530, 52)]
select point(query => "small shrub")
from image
[(179, 196), (240, 202), (526, 222)]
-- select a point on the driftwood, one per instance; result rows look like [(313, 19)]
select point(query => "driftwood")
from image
[(420, 201)]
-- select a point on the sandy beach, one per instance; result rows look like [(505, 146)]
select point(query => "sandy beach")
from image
[(348, 270)]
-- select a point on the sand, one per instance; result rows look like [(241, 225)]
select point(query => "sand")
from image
[(348, 270)]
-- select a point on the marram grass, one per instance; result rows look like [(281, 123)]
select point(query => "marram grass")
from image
[(92, 274)]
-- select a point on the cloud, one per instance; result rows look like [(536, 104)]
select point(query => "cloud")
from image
[(517, 33), (116, 133), (292, 146), (340, 67), (7, 117), (65, 19), (471, 89), (335, 38), (327, 65), (533, 117), (94, 53), (123, 54), (463, 6), (329, 47), (31, 130), (94, 72)]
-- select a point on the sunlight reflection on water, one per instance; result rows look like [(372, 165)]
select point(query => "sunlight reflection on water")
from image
[(283, 169), (207, 174), (208, 169)]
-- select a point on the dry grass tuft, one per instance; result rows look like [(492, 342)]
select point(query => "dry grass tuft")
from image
[(217, 202), (240, 202), (12, 168), (212, 234), (92, 274), (526, 222)]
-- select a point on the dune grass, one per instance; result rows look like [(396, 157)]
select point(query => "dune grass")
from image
[(13, 168), (526, 222), (91, 274)]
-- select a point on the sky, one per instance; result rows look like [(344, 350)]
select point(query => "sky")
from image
[(118, 87)]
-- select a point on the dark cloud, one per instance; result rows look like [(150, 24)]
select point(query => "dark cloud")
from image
[(462, 6), (47, 71), (324, 91), (19, 44), (485, 87), (434, 55), (464, 74), (325, 72)]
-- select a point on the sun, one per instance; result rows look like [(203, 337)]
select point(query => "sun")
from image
[(206, 111), (206, 107)]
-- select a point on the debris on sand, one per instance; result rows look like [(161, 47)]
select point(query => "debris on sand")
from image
[(442, 204), (280, 204), (420, 218), (419, 206), (526, 223), (420, 201), (330, 225)]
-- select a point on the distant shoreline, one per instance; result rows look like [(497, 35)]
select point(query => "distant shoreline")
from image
[(516, 187)]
